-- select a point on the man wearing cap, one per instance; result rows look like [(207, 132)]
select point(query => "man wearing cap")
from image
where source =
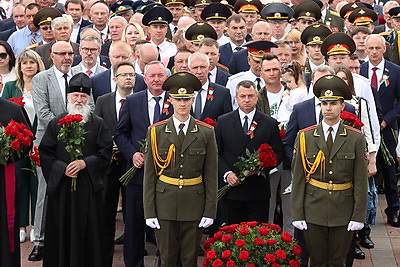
[(199, 6), (363, 17), (386, 30), (196, 33), (392, 53), (308, 13), (75, 218), (177, 9), (278, 14), (123, 9), (329, 170), (346, 11), (249, 9), (180, 176), (216, 15), (158, 19)]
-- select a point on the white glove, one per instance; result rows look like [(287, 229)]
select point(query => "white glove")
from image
[(301, 225), (205, 222), (355, 226), (153, 223)]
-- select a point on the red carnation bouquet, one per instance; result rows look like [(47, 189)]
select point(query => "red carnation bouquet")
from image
[(251, 244), (19, 100), (350, 119), (13, 139), (72, 134), (251, 164)]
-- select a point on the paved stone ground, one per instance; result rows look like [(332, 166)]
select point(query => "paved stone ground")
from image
[(385, 254)]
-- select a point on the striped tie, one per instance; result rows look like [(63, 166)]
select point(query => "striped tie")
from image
[(33, 39)]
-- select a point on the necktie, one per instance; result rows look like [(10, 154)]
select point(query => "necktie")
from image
[(245, 125), (197, 107), (102, 37), (209, 76), (159, 55), (33, 38), (258, 80), (181, 134), (329, 140), (122, 101), (65, 76), (238, 48), (175, 29), (156, 116), (89, 72), (374, 78)]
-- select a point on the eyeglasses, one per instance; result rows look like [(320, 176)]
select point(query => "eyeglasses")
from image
[(3, 55), (63, 54), (92, 50), (124, 75), (45, 28)]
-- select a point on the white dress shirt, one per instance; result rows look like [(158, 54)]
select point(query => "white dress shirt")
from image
[(213, 75), (166, 50), (379, 71), (178, 122), (249, 115), (152, 103), (113, 84), (75, 31), (325, 128), (61, 80)]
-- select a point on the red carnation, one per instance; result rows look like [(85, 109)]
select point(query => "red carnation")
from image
[(217, 263), (227, 238), (244, 255), (210, 122), (208, 243), (381, 20), (240, 243), (271, 242), (15, 144), (263, 231), (211, 254), (244, 231), (230, 264), (258, 241), (286, 237), (276, 265), (280, 254), (19, 100), (294, 263), (296, 250), (226, 254), (270, 258), (218, 235)]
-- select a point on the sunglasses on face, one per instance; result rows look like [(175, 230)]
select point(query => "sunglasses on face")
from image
[(45, 28), (3, 55)]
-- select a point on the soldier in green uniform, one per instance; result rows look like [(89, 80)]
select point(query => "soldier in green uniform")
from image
[(329, 194), (393, 48), (180, 176)]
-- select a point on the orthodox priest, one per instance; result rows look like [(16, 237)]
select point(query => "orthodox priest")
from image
[(9, 228), (74, 218)]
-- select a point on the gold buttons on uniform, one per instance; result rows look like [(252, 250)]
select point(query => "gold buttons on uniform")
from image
[(181, 155), (330, 172), (181, 166), (330, 161), (181, 176)]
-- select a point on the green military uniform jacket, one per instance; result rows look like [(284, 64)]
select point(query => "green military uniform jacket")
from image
[(197, 156), (392, 50), (334, 21), (347, 163), (262, 102)]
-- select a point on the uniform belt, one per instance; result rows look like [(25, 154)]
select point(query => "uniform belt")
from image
[(330, 186), (180, 181)]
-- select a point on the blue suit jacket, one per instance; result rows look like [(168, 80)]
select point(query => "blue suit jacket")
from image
[(104, 61), (220, 105), (6, 24), (303, 116), (101, 84), (7, 33), (222, 77), (238, 62), (132, 127), (85, 23), (388, 94), (225, 52)]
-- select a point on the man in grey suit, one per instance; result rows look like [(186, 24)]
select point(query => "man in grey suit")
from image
[(89, 51), (49, 99)]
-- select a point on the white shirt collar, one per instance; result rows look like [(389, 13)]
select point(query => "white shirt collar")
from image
[(380, 66), (250, 116), (60, 75), (178, 122), (150, 96), (325, 128)]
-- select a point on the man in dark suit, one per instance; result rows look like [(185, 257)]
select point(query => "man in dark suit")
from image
[(212, 100), (74, 8), (237, 33), (18, 18), (140, 110), (383, 74), (6, 24), (103, 83), (245, 128)]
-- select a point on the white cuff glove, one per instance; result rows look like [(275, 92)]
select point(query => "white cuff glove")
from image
[(205, 222), (301, 225), (153, 223), (355, 226)]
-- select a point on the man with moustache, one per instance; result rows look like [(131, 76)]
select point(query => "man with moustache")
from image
[(139, 111), (89, 50), (75, 217)]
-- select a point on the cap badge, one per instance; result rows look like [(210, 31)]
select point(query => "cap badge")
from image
[(308, 14), (316, 38), (159, 18), (216, 14), (203, 1), (182, 73), (328, 92), (182, 90), (329, 77), (277, 15), (354, 5), (200, 37), (361, 12), (119, 2)]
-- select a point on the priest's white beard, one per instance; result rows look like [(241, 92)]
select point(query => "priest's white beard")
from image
[(79, 108)]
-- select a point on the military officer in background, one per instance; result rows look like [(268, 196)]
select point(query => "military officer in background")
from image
[(307, 13), (180, 176), (329, 194)]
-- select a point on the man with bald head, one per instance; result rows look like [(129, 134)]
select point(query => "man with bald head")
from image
[(147, 53), (261, 31)]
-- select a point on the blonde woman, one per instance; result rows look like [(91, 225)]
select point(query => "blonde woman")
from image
[(132, 32), (298, 49)]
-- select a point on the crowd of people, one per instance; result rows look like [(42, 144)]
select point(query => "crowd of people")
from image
[(178, 91)]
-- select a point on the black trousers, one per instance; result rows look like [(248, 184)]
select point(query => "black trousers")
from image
[(233, 211)]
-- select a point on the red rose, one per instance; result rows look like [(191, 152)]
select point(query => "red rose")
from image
[(208, 243), (270, 258), (244, 255), (217, 263), (244, 231), (251, 265), (230, 264), (282, 134), (226, 254), (263, 231), (286, 237), (258, 241), (381, 20), (275, 265), (280, 254), (15, 144), (271, 242), (227, 238), (233, 227), (294, 263), (275, 227), (205, 263), (225, 228), (252, 224), (27, 141), (211, 254), (240, 243), (218, 235), (296, 250)]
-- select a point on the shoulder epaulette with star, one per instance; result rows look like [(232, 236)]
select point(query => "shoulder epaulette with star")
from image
[(308, 128), (158, 123), (204, 124), (352, 129)]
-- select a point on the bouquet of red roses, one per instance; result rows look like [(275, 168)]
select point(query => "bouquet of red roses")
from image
[(350, 119), (13, 139), (252, 163), (72, 134), (251, 244)]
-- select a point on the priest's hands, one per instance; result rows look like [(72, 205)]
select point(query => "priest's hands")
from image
[(74, 167), (205, 222), (355, 226), (138, 160), (153, 223), (301, 225)]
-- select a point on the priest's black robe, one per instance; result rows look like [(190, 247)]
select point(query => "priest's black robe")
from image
[(75, 219), (9, 236)]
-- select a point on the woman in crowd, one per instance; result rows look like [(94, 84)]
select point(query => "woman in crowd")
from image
[(7, 62), (132, 32), (298, 49), (28, 65)]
